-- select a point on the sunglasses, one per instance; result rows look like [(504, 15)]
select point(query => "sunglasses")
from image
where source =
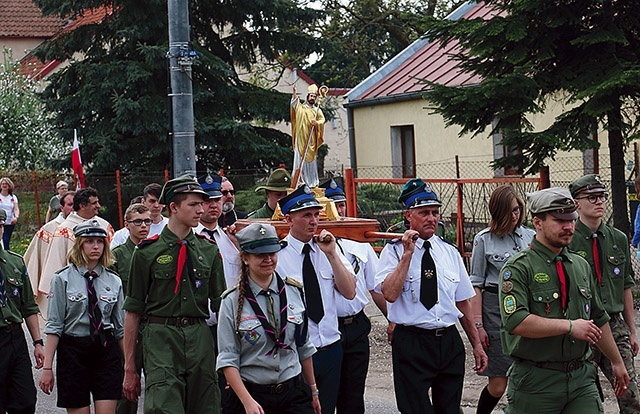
[(225, 192), (138, 222)]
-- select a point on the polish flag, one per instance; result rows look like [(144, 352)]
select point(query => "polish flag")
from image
[(76, 162)]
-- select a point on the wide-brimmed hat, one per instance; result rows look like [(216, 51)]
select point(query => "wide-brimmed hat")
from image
[(279, 180)]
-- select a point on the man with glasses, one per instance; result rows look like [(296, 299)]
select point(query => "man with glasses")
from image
[(150, 196), (229, 213), (137, 222), (607, 251)]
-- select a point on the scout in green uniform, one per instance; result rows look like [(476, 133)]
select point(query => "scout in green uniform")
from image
[(607, 251), (174, 276), (137, 221), (17, 390), (550, 315), (275, 188)]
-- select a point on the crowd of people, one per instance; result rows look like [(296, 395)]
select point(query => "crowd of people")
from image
[(229, 318)]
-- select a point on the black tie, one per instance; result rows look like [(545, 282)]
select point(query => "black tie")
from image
[(311, 287), (429, 279), (95, 316), (210, 233)]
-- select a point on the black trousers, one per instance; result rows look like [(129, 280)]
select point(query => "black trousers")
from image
[(428, 359), (326, 368), (355, 363), (17, 390), (291, 397)]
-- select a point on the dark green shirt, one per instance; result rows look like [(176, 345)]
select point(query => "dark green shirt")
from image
[(615, 262), (153, 270), (530, 286), (263, 212), (123, 254), (20, 303)]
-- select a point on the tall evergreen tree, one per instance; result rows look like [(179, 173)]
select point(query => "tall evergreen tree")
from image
[(584, 53), (115, 89)]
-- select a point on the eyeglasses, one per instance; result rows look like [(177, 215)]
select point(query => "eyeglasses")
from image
[(516, 211), (593, 198), (138, 222), (225, 192)]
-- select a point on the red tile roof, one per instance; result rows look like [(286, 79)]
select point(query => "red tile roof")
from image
[(422, 60), (22, 18)]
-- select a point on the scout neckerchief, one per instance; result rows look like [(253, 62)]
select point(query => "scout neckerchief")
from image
[(597, 255), (4, 300), (95, 316), (562, 278), (183, 257), (268, 328)]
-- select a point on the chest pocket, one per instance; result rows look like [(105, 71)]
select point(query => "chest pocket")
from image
[(497, 260), (77, 302), (164, 271), (546, 302), (250, 331), (585, 302), (106, 304), (448, 282), (14, 288), (616, 263)]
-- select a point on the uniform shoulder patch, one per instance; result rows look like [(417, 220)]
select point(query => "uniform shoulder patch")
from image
[(293, 282), (148, 241), (228, 291), (63, 269), (509, 304)]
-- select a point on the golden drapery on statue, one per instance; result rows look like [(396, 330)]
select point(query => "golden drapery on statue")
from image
[(307, 131)]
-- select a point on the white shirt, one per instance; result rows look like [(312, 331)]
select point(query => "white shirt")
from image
[(121, 236), (362, 257), (231, 263), (454, 285), (290, 265)]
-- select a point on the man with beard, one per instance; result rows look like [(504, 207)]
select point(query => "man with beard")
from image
[(229, 213), (551, 314), (607, 251), (307, 133)]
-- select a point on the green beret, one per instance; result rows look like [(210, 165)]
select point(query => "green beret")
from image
[(588, 184), (556, 200), (181, 185)]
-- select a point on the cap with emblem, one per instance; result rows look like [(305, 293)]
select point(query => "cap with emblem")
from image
[(279, 180), (588, 184), (416, 193), (212, 185), (3, 216), (259, 238), (90, 228), (333, 190), (556, 201), (300, 199), (181, 185)]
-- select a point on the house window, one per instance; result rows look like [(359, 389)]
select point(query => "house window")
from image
[(500, 151), (403, 151)]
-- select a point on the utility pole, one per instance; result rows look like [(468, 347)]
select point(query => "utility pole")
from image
[(181, 58)]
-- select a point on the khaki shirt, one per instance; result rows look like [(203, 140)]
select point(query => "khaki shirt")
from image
[(153, 270), (615, 262), (20, 303), (530, 286)]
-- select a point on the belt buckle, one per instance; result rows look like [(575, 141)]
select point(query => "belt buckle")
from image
[(348, 320), (572, 366), (279, 388), (184, 321), (441, 331)]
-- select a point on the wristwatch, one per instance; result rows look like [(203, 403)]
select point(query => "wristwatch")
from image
[(38, 342)]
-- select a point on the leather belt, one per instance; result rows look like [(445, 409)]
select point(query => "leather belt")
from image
[(11, 327), (491, 289), (177, 321), (348, 320), (555, 366), (273, 388), (429, 332)]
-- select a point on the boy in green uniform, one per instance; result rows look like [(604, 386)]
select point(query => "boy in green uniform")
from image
[(17, 303), (607, 251), (274, 189), (173, 276), (137, 221), (550, 315)]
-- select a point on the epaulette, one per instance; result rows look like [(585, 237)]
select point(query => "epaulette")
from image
[(483, 231), (148, 241), (519, 255), (228, 291), (63, 269), (108, 269), (394, 241), (448, 242), (205, 237), (293, 282), (15, 254), (252, 213)]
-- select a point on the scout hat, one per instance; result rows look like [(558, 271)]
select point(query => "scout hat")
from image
[(3, 216), (279, 180), (333, 190), (556, 201), (90, 228), (416, 193), (589, 184), (258, 238), (183, 184), (300, 199), (212, 185)]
